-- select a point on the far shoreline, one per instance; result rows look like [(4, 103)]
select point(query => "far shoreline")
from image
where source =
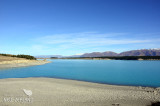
[(111, 58)]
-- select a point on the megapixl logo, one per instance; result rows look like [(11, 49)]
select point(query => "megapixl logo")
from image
[(20, 99), (27, 92)]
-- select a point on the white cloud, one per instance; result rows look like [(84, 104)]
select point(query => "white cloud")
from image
[(37, 47), (88, 39), (73, 43), (79, 54)]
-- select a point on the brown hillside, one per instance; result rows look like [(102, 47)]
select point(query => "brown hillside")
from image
[(7, 58)]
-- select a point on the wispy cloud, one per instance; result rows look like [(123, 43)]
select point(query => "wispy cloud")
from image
[(89, 39), (74, 43)]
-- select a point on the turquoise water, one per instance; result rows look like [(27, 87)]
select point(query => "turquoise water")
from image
[(119, 72)]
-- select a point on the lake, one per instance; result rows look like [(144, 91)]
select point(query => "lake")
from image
[(118, 72)]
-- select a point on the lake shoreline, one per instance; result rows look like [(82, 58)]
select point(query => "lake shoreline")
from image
[(21, 63), (114, 84), (115, 58), (62, 91)]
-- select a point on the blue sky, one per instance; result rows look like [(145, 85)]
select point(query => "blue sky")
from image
[(68, 27)]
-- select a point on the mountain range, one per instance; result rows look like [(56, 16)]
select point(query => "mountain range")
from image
[(141, 52)]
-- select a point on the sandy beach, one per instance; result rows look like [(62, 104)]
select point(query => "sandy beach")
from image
[(12, 62), (61, 92)]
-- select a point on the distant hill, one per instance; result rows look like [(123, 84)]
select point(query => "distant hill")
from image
[(48, 56), (99, 54), (142, 52)]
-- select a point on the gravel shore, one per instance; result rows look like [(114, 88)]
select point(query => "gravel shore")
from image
[(60, 92)]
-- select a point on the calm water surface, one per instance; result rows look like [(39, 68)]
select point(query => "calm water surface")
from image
[(119, 72)]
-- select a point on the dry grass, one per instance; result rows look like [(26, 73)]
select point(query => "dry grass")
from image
[(7, 58)]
